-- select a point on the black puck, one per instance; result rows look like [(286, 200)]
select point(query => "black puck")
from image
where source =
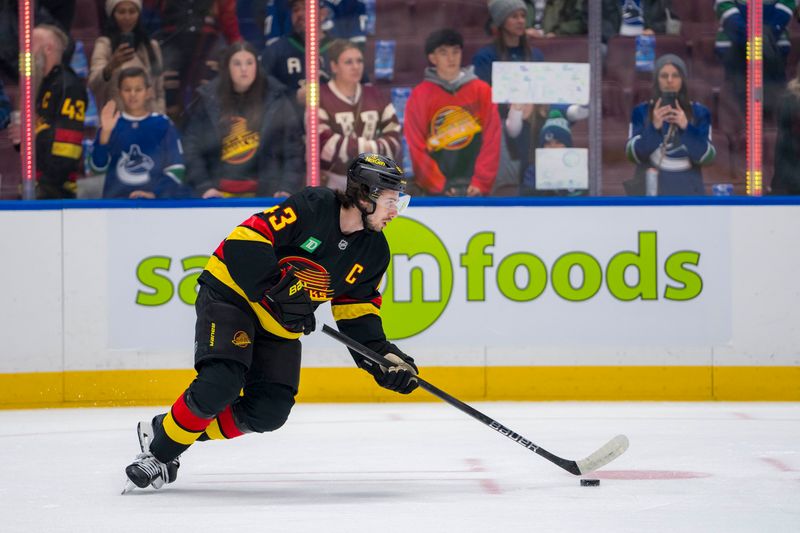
[(590, 483)]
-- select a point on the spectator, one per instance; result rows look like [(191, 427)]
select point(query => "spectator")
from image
[(5, 108), (341, 19), (139, 151), (510, 44), (285, 58), (353, 118), (451, 125), (60, 109), (670, 134), (732, 47), (550, 18), (635, 17), (189, 30), (125, 44), (786, 179), (243, 137), (555, 133)]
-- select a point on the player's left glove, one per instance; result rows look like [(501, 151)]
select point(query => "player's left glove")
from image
[(290, 302), (400, 377)]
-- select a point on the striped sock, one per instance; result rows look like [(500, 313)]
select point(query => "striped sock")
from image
[(223, 427), (179, 429)]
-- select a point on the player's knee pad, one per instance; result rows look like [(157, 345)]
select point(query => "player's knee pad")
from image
[(216, 386), (266, 408)]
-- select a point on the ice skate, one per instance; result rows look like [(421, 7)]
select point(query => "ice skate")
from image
[(146, 470)]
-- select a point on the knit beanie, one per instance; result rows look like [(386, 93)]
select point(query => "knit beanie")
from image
[(670, 59), (556, 127), (500, 10), (111, 4)]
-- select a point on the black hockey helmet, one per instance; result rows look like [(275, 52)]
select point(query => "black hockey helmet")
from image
[(375, 172)]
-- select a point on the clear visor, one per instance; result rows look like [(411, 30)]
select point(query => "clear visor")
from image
[(400, 203)]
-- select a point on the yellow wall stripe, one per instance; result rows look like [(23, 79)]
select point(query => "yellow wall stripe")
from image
[(177, 433), (656, 383), (348, 311)]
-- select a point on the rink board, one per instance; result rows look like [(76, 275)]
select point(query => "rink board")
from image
[(546, 301)]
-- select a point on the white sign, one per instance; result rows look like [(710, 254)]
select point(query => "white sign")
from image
[(525, 82), (562, 168)]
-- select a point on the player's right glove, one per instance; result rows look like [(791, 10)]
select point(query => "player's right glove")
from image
[(401, 377), (290, 303)]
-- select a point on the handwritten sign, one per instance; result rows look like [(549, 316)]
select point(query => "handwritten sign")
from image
[(522, 82), (562, 168)]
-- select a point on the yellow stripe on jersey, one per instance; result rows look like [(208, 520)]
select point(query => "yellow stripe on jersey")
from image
[(217, 268), (177, 433), (214, 432), (246, 234), (349, 311), (72, 151)]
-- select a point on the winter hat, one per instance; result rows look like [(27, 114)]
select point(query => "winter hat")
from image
[(111, 4), (500, 10), (556, 127), (670, 59), (443, 37)]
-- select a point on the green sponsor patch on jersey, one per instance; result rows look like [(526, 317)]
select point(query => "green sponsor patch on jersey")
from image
[(311, 244)]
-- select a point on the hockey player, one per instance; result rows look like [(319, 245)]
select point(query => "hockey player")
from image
[(257, 297)]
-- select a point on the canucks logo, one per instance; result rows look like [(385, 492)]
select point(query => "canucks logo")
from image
[(452, 128), (134, 167)]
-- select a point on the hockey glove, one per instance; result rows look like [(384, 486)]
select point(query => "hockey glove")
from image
[(290, 303), (401, 377)]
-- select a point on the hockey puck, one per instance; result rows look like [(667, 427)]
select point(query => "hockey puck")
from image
[(590, 483)]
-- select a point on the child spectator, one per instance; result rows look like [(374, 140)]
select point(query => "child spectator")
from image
[(353, 118), (550, 18), (451, 125), (786, 179), (671, 134), (243, 137), (125, 44), (139, 151), (555, 133)]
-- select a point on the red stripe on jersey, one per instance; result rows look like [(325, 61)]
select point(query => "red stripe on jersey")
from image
[(227, 424), (68, 136), (219, 251), (257, 224), (343, 300), (186, 418)]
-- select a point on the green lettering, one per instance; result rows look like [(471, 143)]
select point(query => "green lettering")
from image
[(506, 277), (476, 260), (161, 285), (691, 284), (646, 264), (187, 287), (592, 276)]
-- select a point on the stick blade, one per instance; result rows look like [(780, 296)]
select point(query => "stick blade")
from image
[(607, 453)]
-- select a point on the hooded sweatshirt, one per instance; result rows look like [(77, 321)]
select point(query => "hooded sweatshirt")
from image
[(453, 132)]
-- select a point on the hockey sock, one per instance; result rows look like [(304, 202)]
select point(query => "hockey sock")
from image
[(223, 427), (179, 429)]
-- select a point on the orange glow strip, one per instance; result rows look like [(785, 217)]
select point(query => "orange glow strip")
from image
[(26, 99), (755, 98)]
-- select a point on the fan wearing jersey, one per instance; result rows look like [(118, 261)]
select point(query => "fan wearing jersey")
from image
[(139, 151), (353, 118), (257, 297)]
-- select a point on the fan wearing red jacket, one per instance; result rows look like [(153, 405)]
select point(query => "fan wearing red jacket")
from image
[(451, 125)]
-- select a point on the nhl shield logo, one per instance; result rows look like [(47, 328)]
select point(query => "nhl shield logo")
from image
[(342, 244)]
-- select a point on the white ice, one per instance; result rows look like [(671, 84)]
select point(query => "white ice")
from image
[(705, 467)]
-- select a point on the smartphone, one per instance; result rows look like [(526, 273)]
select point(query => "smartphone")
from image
[(668, 99), (127, 38)]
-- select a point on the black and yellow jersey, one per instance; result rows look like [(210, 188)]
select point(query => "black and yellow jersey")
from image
[(305, 231)]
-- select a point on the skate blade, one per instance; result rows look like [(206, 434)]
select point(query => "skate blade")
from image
[(129, 486)]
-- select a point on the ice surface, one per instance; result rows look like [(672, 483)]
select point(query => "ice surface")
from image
[(702, 467)]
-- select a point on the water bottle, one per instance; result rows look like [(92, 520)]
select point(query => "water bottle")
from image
[(651, 182), (92, 118), (399, 98), (384, 59), (645, 53), (78, 63), (370, 8)]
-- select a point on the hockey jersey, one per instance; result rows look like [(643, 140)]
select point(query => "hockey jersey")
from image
[(304, 231), (732, 16), (348, 128), (143, 154)]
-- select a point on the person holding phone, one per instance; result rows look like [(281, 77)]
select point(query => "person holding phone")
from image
[(125, 44), (671, 134)]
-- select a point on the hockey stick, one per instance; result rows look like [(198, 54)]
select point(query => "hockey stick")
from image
[(607, 453)]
